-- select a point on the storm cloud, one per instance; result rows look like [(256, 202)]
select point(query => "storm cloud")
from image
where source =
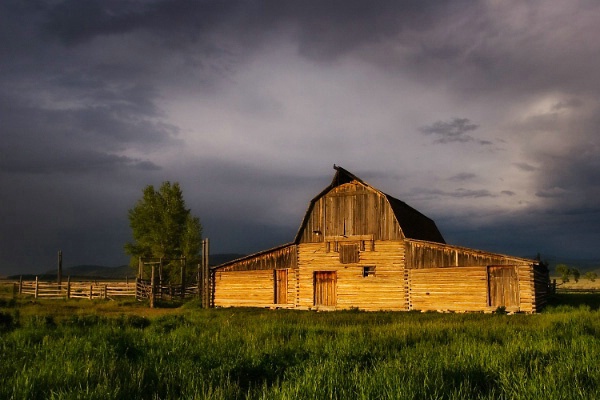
[(483, 115)]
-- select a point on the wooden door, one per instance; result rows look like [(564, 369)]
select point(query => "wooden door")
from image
[(281, 286), (325, 288), (503, 286)]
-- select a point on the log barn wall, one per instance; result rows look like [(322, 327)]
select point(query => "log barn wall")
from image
[(251, 289), (250, 281), (384, 289), (463, 289), (448, 289), (541, 281)]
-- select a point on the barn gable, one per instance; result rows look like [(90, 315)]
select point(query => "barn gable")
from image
[(351, 207)]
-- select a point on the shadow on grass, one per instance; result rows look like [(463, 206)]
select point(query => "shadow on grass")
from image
[(575, 300)]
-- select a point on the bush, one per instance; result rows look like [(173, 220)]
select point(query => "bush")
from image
[(6, 322)]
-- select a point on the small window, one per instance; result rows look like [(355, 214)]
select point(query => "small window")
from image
[(349, 253), (368, 271)]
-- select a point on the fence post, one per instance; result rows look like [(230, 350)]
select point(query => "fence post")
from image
[(59, 274), (36, 287), (206, 296), (105, 292), (68, 287), (91, 291), (152, 284), (199, 278), (183, 280), (21, 284)]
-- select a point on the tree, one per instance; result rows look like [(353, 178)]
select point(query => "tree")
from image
[(564, 271), (162, 226), (576, 274), (591, 276)]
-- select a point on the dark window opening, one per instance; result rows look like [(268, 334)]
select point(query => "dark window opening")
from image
[(368, 271)]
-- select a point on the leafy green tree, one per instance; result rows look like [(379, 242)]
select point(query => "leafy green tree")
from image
[(591, 276), (576, 274), (162, 226), (564, 271)]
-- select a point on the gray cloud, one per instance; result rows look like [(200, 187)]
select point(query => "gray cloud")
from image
[(523, 166), (458, 193), (463, 176), (454, 131)]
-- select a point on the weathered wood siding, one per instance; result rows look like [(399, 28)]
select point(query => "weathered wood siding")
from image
[(448, 289), (279, 258), (526, 289), (422, 254), (465, 288), (541, 283), (250, 282), (351, 209), (385, 290), (250, 289)]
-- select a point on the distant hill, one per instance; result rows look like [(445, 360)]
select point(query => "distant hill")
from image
[(104, 272), (94, 272)]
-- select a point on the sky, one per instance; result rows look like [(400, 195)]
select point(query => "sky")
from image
[(483, 115)]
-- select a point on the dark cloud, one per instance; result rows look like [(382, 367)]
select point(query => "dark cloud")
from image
[(523, 166), (458, 193), (324, 28), (464, 176), (75, 22), (570, 103), (454, 131), (80, 140)]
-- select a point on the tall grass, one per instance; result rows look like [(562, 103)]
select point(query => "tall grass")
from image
[(261, 354)]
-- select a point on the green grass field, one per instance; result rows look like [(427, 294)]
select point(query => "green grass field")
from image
[(113, 350)]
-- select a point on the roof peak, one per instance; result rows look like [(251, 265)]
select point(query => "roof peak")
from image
[(344, 176)]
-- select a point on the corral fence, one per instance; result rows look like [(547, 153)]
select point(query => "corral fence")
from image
[(144, 290), (577, 290), (95, 290), (76, 290)]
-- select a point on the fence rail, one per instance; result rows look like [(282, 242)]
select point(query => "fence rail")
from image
[(577, 290), (77, 290), (144, 290)]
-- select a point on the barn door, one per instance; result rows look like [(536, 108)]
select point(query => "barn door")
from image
[(324, 286), (281, 286), (503, 286)]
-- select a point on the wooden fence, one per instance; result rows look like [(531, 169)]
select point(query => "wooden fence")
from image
[(77, 290), (164, 292), (577, 290), (93, 290)]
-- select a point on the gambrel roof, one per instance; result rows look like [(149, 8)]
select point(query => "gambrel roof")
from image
[(414, 225)]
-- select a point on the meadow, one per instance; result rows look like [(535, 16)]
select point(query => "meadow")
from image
[(77, 349)]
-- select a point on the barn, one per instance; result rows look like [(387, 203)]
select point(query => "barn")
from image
[(358, 247)]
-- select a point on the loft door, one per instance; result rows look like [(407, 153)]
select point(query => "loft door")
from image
[(325, 288), (503, 286)]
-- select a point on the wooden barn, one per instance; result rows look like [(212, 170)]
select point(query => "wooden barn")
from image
[(358, 247)]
